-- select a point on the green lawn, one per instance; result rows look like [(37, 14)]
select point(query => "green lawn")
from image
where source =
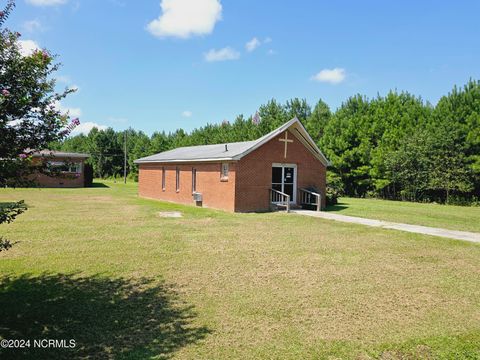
[(100, 266), (444, 216)]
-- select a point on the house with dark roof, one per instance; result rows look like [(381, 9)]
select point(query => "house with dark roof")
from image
[(281, 169)]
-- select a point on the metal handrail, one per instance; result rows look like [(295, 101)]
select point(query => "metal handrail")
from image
[(306, 198), (280, 198)]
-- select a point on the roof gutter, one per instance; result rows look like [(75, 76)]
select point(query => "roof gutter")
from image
[(183, 160)]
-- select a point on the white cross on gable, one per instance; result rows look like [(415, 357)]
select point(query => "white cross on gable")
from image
[(286, 140)]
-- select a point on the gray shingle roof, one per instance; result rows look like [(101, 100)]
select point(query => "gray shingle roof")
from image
[(62, 154), (235, 151), (201, 152)]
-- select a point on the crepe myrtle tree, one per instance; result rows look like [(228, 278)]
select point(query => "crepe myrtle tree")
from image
[(30, 117)]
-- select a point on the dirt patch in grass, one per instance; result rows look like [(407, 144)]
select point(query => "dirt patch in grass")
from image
[(170, 214)]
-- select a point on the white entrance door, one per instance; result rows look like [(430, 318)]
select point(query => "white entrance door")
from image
[(284, 179)]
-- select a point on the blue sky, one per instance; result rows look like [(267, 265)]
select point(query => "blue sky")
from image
[(187, 63)]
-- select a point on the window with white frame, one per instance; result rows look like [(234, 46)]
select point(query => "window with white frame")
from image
[(66, 167), (194, 180), (163, 178), (177, 179), (224, 171)]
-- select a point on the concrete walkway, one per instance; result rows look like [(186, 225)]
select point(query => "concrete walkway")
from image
[(452, 234)]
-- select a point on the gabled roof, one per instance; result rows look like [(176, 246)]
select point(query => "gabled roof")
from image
[(234, 151)]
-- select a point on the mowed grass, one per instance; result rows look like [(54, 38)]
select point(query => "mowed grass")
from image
[(100, 266), (466, 218)]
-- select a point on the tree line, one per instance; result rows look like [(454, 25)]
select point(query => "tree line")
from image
[(394, 147)]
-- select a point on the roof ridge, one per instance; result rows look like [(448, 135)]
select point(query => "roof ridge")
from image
[(235, 151), (220, 143)]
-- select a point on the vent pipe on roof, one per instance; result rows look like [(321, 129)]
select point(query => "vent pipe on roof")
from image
[(226, 147)]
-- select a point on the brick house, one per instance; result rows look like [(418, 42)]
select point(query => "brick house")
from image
[(70, 169), (281, 169)]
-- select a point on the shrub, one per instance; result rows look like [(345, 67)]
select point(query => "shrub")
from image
[(334, 188)]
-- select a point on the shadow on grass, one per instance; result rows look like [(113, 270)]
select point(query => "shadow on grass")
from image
[(107, 318), (99, 185), (337, 207)]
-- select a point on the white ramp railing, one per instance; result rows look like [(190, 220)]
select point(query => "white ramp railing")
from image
[(279, 198), (308, 197)]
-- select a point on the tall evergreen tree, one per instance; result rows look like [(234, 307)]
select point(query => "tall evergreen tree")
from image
[(318, 120), (299, 109)]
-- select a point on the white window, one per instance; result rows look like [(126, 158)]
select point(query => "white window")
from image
[(66, 167), (163, 178), (194, 180), (177, 179), (224, 171)]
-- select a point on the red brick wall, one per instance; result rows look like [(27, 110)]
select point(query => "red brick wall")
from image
[(67, 180), (217, 194), (248, 183), (254, 174)]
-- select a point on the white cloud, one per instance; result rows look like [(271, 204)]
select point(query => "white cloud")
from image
[(227, 53), (252, 44), (271, 52), (187, 113), (184, 18), (84, 128), (332, 76), (63, 79), (72, 112), (46, 2), (255, 43), (32, 26), (27, 47)]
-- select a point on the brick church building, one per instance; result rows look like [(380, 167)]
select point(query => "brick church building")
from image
[(281, 169)]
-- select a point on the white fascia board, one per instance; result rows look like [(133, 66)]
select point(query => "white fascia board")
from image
[(316, 151), (183, 160), (267, 139)]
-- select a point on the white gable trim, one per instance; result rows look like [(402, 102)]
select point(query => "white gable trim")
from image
[(304, 138), (307, 140)]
